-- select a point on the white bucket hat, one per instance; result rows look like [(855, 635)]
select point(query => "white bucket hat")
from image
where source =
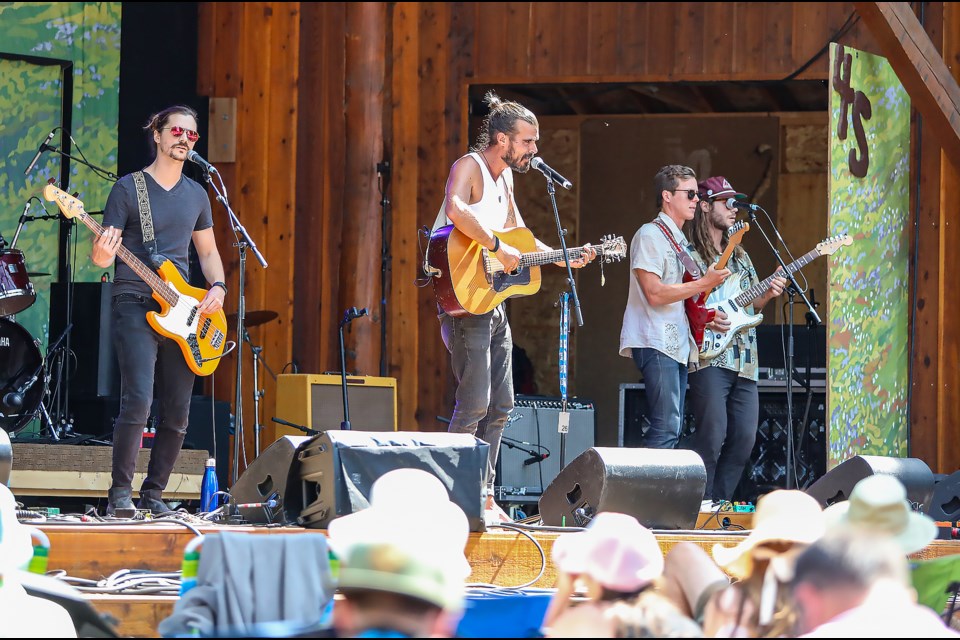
[(879, 503)]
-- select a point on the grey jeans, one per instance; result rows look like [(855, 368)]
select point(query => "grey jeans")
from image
[(481, 354)]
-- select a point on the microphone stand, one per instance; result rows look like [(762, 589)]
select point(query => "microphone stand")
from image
[(243, 241), (793, 290), (563, 422), (348, 316), (258, 392)]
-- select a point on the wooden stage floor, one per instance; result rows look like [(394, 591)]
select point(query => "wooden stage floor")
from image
[(502, 557)]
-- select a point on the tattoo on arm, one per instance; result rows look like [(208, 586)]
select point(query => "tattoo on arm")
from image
[(511, 212)]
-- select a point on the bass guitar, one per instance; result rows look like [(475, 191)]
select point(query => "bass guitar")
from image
[(469, 280), (733, 301), (201, 337), (698, 313)]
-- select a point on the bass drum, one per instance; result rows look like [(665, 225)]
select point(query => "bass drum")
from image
[(20, 361)]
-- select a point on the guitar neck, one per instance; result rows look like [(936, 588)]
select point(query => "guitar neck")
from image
[(757, 290), (537, 258), (146, 274)]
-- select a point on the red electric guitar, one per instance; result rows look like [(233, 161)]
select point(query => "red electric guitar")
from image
[(696, 306)]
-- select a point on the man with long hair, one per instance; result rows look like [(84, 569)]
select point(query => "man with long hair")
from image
[(179, 212)]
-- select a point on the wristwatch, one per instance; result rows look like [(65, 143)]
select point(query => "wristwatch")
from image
[(222, 285)]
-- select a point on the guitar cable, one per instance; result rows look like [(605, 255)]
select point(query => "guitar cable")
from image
[(231, 345), (428, 271)]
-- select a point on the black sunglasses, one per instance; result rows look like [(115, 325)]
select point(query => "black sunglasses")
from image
[(691, 193)]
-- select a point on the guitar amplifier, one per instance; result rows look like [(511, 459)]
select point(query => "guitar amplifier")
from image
[(315, 401), (530, 433)]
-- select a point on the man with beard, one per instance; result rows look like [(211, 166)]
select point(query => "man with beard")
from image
[(723, 391), (176, 210), (479, 198)]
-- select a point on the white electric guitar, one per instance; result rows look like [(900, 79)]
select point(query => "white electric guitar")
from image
[(731, 300)]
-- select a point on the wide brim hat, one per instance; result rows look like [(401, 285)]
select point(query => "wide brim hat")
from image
[(879, 504), (782, 516)]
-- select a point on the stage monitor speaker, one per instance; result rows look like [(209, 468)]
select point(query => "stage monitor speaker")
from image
[(662, 488), (337, 469), (91, 341), (273, 475), (532, 432), (836, 485), (945, 503), (315, 401)]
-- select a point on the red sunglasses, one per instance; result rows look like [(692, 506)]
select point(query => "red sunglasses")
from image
[(192, 135)]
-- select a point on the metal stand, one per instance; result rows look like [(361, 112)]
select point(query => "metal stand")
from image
[(243, 241), (793, 290), (349, 315), (258, 392)]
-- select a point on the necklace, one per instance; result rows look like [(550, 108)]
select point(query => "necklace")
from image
[(499, 196)]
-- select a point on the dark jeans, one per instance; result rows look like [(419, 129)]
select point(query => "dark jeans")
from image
[(146, 357), (481, 354), (726, 409), (664, 384)]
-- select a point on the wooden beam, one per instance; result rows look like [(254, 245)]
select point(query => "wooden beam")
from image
[(921, 69)]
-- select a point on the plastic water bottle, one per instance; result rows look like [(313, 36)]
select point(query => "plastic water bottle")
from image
[(209, 487)]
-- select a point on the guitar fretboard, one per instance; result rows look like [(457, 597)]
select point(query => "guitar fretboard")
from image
[(537, 258), (146, 274), (757, 290)]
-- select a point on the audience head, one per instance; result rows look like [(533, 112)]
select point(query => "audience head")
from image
[(785, 521), (16, 546), (402, 563), (878, 505), (615, 551)]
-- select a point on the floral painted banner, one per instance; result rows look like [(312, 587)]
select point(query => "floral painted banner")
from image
[(868, 356)]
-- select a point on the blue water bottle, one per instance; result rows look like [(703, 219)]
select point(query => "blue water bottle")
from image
[(209, 500)]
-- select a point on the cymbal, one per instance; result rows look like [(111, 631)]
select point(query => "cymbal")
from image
[(37, 274), (252, 318)]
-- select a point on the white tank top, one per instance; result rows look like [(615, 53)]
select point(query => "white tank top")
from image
[(494, 205)]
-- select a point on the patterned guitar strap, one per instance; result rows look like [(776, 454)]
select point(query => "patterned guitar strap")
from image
[(685, 258), (146, 220)]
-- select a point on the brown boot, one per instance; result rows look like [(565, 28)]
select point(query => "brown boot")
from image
[(150, 499)]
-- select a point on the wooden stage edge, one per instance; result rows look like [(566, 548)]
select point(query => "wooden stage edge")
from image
[(501, 557)]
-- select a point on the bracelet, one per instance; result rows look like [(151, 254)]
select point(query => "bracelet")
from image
[(496, 244), (222, 285)]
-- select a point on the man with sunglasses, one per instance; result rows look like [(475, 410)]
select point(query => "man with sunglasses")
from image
[(656, 332), (723, 391), (178, 212)]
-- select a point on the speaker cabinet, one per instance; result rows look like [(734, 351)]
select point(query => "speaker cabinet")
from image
[(531, 433), (337, 469), (209, 429), (274, 475), (96, 373), (315, 401), (945, 503), (662, 488), (836, 484)]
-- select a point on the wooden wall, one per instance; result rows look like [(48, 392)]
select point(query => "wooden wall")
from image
[(325, 91)]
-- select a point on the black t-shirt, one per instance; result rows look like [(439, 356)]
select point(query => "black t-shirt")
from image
[(176, 213)]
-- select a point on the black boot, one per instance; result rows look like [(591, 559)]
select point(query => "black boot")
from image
[(120, 498), (150, 499)]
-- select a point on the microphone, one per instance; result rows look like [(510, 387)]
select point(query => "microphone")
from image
[(43, 147), (537, 457), (733, 203), (14, 399), (196, 158), (541, 166)]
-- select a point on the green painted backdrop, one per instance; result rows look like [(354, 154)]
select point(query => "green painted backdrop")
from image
[(33, 37), (869, 286)]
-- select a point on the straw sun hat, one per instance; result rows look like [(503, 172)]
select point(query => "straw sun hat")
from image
[(879, 504), (785, 515)]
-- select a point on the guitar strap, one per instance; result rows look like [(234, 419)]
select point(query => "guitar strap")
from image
[(685, 258), (146, 219)]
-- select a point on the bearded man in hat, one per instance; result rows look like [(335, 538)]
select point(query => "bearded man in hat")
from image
[(723, 391)]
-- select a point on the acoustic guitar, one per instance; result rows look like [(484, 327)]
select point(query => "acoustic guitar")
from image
[(469, 280)]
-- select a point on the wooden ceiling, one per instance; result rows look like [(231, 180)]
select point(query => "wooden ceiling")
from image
[(662, 97)]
